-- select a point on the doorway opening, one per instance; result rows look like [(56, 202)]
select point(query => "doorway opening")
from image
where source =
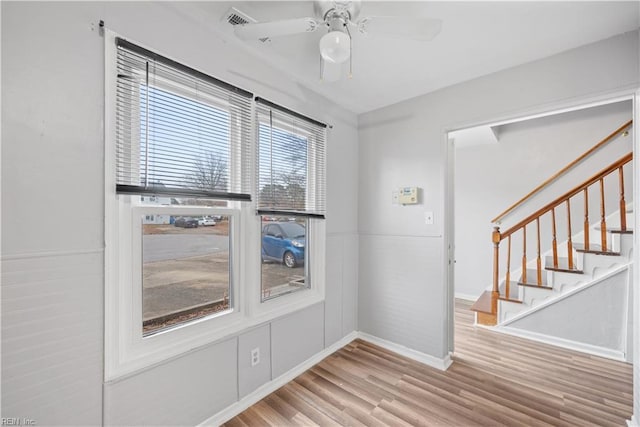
[(494, 165)]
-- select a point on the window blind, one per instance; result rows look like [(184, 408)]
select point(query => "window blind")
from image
[(290, 162), (179, 132)]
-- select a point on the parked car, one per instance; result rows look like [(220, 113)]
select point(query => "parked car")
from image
[(283, 242), (186, 222), (206, 221)]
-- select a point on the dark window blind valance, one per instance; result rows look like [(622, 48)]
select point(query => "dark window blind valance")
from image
[(178, 131), (290, 162)]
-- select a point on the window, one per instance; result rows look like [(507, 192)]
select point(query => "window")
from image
[(290, 195), (176, 136), (185, 270), (179, 176), (184, 155)]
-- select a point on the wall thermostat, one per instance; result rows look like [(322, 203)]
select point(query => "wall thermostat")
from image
[(408, 195)]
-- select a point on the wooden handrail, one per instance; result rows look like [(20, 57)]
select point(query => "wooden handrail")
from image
[(562, 199), (563, 170)]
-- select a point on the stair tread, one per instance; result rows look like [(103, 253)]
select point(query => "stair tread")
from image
[(510, 300), (617, 230), (535, 285), (564, 269), (594, 249), (563, 265), (483, 303)]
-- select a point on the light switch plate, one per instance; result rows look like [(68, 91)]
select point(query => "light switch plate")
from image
[(428, 218)]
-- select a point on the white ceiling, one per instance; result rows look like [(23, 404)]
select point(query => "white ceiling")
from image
[(477, 38)]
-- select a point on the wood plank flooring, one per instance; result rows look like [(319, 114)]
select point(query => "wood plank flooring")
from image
[(495, 380)]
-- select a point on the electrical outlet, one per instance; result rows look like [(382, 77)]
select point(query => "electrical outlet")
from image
[(255, 356)]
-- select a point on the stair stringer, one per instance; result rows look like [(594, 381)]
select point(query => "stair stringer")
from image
[(610, 353)]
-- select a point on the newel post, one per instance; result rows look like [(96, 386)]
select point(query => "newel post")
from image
[(495, 238)]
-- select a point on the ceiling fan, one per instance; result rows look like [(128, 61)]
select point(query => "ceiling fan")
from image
[(339, 18)]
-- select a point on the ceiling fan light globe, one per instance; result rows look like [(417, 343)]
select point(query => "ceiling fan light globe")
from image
[(335, 47)]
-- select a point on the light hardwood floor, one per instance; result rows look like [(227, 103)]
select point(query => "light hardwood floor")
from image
[(495, 380)]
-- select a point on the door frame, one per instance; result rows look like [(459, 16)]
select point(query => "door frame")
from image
[(632, 94)]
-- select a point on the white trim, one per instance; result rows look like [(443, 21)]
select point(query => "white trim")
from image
[(111, 296), (564, 343), (633, 422), (466, 297), (635, 258), (268, 388), (625, 335), (441, 364), (563, 296), (449, 247)]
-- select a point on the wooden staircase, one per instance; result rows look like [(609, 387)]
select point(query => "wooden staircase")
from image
[(565, 264)]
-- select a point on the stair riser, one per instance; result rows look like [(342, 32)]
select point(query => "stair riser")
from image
[(561, 278), (622, 243), (533, 296), (592, 263), (532, 277), (507, 310)]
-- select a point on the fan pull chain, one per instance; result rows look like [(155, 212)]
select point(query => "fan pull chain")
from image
[(350, 52)]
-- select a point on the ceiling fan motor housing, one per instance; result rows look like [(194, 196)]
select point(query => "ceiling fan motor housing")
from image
[(330, 10)]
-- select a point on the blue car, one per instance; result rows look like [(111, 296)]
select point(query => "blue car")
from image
[(283, 242)]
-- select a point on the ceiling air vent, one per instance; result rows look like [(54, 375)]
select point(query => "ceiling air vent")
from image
[(237, 17)]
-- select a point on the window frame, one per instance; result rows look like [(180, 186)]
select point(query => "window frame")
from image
[(126, 351)]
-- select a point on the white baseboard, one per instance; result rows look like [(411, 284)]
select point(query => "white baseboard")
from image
[(466, 297), (633, 422), (418, 356), (268, 388), (564, 343)]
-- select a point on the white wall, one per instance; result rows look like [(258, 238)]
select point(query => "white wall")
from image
[(490, 178), (402, 297), (52, 222)]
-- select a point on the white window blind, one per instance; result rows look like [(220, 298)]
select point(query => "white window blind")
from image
[(179, 131), (290, 162)]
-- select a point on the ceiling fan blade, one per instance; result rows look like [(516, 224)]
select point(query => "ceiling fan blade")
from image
[(285, 27), (416, 28)]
